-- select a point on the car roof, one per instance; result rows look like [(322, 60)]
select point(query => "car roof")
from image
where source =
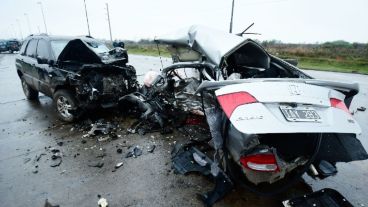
[(58, 37)]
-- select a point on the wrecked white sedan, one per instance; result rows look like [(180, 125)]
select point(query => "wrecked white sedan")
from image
[(270, 122)]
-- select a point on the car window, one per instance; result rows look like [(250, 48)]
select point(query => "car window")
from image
[(57, 46), (12, 43), (42, 50), (31, 48), (23, 48)]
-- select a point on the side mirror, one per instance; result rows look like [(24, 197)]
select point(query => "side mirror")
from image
[(41, 60)]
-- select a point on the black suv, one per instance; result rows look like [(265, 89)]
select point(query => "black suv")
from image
[(77, 72)]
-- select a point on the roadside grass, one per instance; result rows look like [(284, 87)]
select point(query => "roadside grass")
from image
[(148, 50), (347, 65)]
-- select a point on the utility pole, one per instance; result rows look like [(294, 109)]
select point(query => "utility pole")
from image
[(29, 24), (43, 15), (231, 20), (85, 9), (108, 19), (20, 29)]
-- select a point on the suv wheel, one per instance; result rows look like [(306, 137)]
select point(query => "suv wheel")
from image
[(29, 92), (66, 105)]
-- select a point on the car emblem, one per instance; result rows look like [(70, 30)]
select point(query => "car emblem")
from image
[(294, 90)]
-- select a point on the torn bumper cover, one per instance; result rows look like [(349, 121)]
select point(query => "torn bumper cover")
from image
[(187, 159)]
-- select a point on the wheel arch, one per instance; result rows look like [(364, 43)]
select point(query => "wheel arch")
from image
[(65, 87), (20, 74)]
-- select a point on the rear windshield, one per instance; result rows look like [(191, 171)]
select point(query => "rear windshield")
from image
[(2, 43), (13, 42), (57, 46)]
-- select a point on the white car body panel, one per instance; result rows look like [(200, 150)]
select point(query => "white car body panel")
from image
[(265, 116)]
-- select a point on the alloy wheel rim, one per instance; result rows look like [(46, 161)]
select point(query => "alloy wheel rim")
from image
[(64, 107)]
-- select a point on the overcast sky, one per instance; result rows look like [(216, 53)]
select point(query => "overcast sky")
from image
[(295, 21)]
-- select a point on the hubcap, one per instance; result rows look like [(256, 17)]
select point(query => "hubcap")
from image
[(64, 107)]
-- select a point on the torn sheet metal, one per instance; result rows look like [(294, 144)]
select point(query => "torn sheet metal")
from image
[(214, 120), (101, 127), (211, 43)]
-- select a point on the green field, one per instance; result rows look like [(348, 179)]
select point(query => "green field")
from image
[(348, 60), (332, 65)]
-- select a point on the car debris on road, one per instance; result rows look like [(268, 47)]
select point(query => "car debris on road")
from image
[(224, 91), (135, 152), (102, 202)]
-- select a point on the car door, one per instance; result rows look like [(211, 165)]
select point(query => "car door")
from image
[(28, 64), (43, 68)]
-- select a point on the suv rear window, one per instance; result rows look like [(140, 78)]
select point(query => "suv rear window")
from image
[(31, 48)]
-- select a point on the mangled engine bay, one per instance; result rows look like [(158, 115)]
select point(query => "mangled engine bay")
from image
[(98, 77), (103, 85)]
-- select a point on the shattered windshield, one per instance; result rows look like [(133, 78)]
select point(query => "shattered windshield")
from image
[(98, 47), (58, 46)]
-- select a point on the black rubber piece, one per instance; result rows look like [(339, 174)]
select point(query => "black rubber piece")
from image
[(326, 169), (323, 198)]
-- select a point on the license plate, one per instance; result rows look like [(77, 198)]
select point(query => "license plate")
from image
[(299, 114)]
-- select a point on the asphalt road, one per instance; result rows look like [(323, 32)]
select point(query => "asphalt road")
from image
[(29, 129)]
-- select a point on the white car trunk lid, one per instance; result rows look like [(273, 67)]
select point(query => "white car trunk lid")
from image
[(265, 115)]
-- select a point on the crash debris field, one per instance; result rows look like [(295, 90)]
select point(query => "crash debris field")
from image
[(29, 131), (224, 123)]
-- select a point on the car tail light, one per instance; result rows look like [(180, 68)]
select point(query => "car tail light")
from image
[(230, 101), (337, 103), (260, 162)]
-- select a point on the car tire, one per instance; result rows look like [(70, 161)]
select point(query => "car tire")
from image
[(66, 105), (29, 92)]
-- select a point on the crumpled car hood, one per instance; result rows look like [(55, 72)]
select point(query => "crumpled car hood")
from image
[(214, 44), (78, 51)]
